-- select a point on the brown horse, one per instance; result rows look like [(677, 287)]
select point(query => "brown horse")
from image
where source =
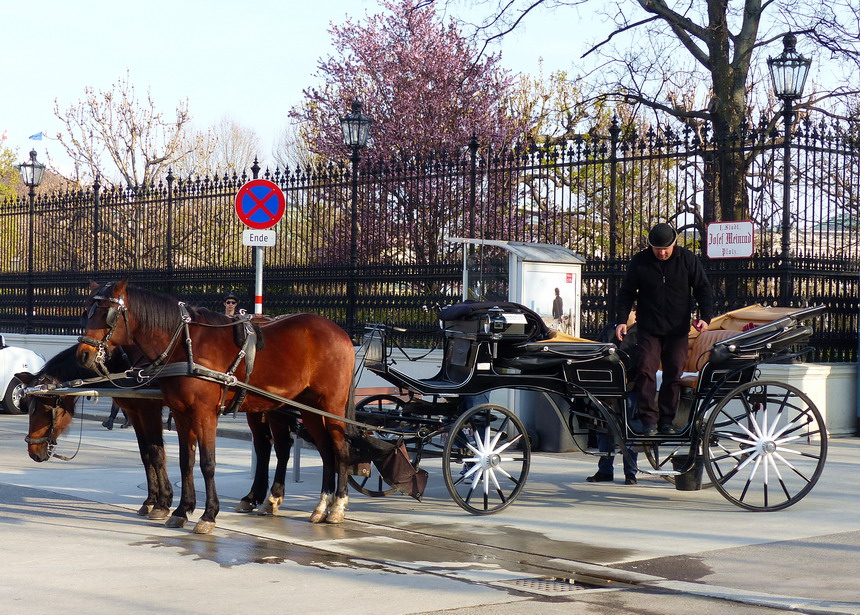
[(305, 358), (50, 416)]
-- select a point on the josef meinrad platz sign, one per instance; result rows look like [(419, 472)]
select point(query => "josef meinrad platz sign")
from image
[(730, 239)]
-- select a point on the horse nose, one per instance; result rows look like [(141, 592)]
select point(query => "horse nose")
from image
[(39, 456), (85, 356)]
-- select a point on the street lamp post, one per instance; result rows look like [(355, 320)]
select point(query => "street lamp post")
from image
[(31, 174), (788, 72), (356, 130)]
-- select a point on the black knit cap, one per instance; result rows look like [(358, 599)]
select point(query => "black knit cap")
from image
[(662, 236)]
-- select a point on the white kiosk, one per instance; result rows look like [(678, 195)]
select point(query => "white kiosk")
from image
[(546, 279)]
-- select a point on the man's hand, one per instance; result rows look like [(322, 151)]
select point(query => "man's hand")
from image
[(621, 330), (700, 325)]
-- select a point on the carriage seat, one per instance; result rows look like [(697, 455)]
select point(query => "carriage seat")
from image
[(700, 353)]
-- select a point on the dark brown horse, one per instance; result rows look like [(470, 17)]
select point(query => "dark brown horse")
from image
[(51, 415), (306, 358)]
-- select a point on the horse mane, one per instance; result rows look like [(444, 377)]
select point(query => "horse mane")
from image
[(153, 311), (64, 366)]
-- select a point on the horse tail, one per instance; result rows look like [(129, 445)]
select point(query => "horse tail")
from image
[(351, 429)]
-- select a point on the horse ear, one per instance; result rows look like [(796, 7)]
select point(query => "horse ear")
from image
[(94, 286), (119, 288)]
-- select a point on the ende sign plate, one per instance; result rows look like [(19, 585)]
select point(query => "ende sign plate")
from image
[(730, 239), (253, 237)]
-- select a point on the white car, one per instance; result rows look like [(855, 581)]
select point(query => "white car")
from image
[(12, 361)]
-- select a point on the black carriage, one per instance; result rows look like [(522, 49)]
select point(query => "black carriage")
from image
[(762, 443)]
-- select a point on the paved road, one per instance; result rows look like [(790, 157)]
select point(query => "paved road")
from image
[(70, 537)]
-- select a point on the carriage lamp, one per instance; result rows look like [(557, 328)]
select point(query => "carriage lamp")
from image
[(788, 72), (356, 130), (31, 174)]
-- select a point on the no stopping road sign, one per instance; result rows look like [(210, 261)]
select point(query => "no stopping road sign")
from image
[(260, 204)]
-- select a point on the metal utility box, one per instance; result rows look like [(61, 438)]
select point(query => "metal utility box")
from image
[(528, 274), (546, 279)]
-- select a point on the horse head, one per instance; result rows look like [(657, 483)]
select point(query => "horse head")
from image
[(50, 415), (106, 323)]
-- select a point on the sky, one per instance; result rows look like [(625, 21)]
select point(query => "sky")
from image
[(246, 61)]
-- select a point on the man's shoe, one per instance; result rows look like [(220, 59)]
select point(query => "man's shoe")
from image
[(107, 425), (643, 429), (667, 429), (599, 478), (630, 480)]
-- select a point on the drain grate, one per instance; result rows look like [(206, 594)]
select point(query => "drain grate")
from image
[(546, 587)]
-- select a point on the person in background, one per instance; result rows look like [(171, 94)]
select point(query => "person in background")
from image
[(114, 411), (557, 310), (231, 304), (662, 281)]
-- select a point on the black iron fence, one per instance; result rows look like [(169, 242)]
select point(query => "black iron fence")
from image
[(596, 195)]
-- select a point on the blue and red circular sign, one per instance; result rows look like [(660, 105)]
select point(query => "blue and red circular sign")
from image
[(260, 204)]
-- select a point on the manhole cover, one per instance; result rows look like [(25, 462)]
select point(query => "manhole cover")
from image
[(545, 587)]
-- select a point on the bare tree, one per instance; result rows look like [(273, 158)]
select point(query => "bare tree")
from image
[(113, 135), (699, 60), (227, 148)]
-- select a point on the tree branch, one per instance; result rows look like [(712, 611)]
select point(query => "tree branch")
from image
[(619, 31)]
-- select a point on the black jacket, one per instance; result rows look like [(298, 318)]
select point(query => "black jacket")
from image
[(661, 291)]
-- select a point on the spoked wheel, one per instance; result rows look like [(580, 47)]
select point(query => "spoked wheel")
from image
[(765, 445), (486, 459), (381, 410)]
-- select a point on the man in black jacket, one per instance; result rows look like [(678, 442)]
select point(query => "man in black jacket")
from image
[(659, 280)]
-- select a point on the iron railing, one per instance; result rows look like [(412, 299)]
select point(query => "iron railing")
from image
[(595, 195)]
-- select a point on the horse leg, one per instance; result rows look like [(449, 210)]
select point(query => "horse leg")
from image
[(280, 426), (205, 427), (263, 450), (317, 430), (145, 416), (340, 445), (187, 447)]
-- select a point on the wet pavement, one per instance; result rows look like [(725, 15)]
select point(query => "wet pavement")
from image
[(68, 529)]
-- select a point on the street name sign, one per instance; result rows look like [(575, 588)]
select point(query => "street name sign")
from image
[(730, 239)]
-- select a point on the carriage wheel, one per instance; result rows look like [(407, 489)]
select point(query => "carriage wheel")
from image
[(765, 445), (486, 459), (378, 410)]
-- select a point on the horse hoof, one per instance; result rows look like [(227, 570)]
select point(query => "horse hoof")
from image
[(204, 527), (317, 517), (158, 514), (335, 518), (270, 506), (174, 521), (244, 507), (144, 510)]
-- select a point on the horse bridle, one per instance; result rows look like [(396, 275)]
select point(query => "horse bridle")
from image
[(49, 439), (111, 320)]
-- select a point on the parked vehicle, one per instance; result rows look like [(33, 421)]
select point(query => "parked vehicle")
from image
[(12, 361)]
